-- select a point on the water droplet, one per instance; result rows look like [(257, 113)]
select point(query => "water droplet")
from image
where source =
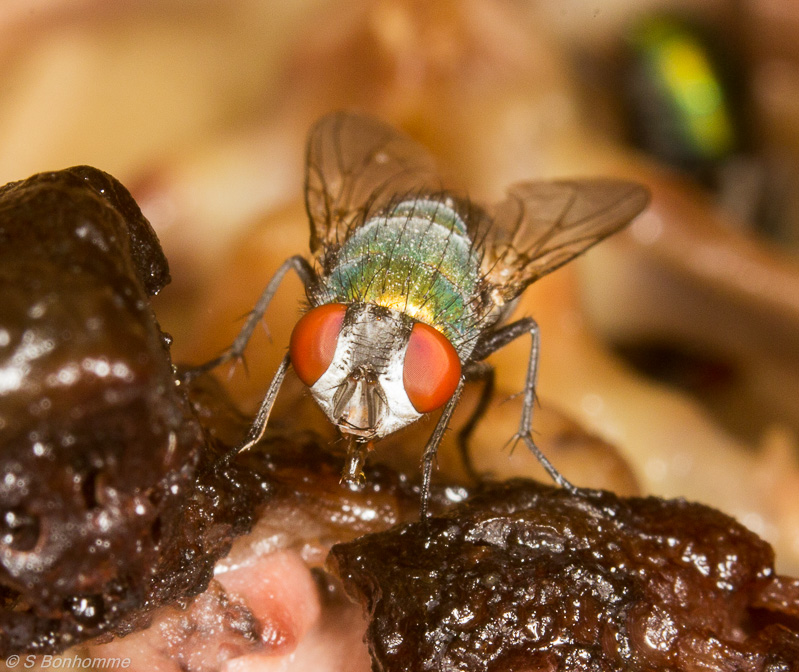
[(19, 531)]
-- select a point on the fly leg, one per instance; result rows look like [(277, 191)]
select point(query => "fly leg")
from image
[(432, 447), (483, 372), (258, 426), (500, 338), (236, 350)]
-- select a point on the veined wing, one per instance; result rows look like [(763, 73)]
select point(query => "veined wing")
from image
[(355, 167), (542, 225)]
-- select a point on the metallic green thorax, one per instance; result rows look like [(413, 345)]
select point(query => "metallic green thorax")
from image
[(417, 259)]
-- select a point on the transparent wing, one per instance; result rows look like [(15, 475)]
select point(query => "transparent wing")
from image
[(356, 166), (542, 225)]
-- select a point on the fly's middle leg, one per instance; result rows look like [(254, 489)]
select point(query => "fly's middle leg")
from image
[(494, 342), (236, 349)]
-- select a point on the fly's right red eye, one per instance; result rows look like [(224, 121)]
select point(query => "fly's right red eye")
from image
[(432, 369), (314, 339)]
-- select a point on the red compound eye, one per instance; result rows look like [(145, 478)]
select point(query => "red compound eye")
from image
[(432, 368), (313, 341)]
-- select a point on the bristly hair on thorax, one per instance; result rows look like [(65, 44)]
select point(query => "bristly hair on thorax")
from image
[(420, 254)]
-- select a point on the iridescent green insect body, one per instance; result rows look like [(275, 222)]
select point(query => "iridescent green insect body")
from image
[(409, 287), (417, 259)]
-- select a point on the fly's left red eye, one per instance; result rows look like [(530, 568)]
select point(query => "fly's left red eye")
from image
[(432, 368), (314, 339)]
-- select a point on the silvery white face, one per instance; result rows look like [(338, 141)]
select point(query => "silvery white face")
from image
[(362, 391)]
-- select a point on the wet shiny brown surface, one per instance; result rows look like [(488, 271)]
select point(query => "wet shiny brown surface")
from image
[(525, 576), (105, 512)]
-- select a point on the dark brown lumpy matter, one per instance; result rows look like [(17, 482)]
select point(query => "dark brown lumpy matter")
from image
[(106, 507), (524, 576)]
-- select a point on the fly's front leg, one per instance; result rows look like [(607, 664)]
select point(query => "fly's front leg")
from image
[(483, 372), (432, 447), (258, 427), (500, 338), (236, 350)]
